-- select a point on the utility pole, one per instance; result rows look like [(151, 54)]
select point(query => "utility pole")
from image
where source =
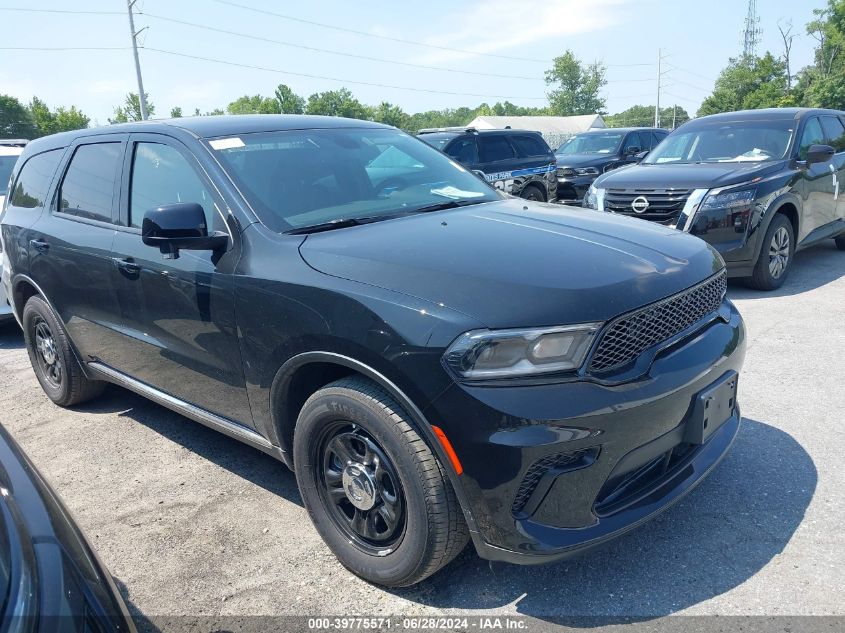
[(674, 114), (660, 73), (752, 32), (141, 95)]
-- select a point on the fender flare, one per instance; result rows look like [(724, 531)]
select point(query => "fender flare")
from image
[(416, 419), (768, 215)]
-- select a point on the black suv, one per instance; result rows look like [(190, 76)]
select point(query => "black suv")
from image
[(585, 156), (517, 162), (437, 361), (757, 185)]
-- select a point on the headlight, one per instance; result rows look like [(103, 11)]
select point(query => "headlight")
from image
[(594, 198), (731, 200), (482, 354), (586, 171)]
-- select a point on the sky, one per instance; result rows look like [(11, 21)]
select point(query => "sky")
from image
[(473, 51)]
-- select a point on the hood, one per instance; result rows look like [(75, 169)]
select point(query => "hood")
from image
[(516, 264), (584, 160), (687, 176)]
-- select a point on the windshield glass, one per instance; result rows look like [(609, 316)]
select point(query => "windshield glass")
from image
[(593, 143), (725, 142), (303, 178), (6, 165), (437, 141)]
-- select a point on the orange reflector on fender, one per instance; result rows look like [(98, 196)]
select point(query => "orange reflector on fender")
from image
[(447, 446)]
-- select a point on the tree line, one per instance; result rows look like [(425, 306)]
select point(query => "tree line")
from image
[(573, 88)]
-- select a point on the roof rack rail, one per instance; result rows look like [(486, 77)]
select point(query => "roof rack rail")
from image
[(19, 142), (459, 128)]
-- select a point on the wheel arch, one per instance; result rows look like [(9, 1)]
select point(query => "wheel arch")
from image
[(23, 288), (304, 374)]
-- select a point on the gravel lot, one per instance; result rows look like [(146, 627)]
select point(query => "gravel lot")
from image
[(191, 522)]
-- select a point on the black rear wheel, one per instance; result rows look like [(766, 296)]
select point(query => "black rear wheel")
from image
[(57, 369), (372, 486)]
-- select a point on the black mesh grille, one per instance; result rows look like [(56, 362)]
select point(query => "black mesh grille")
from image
[(633, 333), (536, 471)]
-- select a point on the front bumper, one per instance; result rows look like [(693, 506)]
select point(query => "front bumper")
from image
[(572, 190), (6, 313), (599, 458)]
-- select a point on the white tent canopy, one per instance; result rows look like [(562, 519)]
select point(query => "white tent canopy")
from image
[(546, 125)]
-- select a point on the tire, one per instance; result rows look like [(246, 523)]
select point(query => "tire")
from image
[(776, 255), (407, 522), (533, 193), (840, 242), (53, 361)]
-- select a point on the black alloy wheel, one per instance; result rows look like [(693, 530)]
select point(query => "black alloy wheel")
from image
[(361, 488)]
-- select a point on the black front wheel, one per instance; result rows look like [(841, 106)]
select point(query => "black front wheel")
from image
[(57, 369), (373, 488), (533, 193), (776, 255)]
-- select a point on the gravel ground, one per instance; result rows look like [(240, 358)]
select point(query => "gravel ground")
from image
[(193, 523)]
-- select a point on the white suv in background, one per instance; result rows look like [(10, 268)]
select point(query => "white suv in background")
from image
[(10, 149)]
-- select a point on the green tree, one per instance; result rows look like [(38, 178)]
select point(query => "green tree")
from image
[(759, 82), (823, 83), (390, 114), (65, 120), (15, 119), (176, 112), (289, 101), (131, 109), (575, 87), (254, 105), (643, 116), (338, 103)]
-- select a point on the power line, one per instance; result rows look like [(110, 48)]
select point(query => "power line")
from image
[(64, 48), (690, 72), (376, 36), (333, 52), (68, 11), (339, 80)]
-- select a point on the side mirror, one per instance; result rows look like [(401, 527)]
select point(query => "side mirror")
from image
[(819, 154), (632, 151), (176, 226)]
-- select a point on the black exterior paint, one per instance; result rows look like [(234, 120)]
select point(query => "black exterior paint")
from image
[(247, 334), (804, 192), (66, 586)]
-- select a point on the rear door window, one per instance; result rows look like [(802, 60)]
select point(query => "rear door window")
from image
[(530, 146), (33, 182), (493, 148), (88, 188)]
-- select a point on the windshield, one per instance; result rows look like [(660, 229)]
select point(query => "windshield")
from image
[(6, 165), (725, 142), (592, 143), (301, 178), (437, 141)]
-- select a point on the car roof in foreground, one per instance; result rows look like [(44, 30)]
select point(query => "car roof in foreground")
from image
[(765, 114), (213, 126)]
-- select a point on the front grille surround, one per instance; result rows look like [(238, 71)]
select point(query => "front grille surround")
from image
[(629, 335), (664, 205)]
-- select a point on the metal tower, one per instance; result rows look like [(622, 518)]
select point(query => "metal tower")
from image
[(752, 32)]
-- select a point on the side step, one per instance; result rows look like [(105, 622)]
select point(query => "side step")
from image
[(197, 414)]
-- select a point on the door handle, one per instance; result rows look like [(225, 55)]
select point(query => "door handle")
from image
[(126, 264), (40, 245)]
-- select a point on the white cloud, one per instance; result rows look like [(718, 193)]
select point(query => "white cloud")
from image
[(502, 26)]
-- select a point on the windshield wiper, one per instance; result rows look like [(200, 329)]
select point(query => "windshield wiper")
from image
[(451, 204), (330, 226)]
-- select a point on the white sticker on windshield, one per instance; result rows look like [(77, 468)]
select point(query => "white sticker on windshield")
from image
[(455, 193), (226, 143)]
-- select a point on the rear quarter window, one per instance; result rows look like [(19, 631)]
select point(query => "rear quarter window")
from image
[(33, 182), (531, 146)]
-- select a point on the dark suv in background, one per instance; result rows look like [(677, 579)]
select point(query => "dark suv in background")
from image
[(517, 162), (435, 360), (585, 156), (756, 184)]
